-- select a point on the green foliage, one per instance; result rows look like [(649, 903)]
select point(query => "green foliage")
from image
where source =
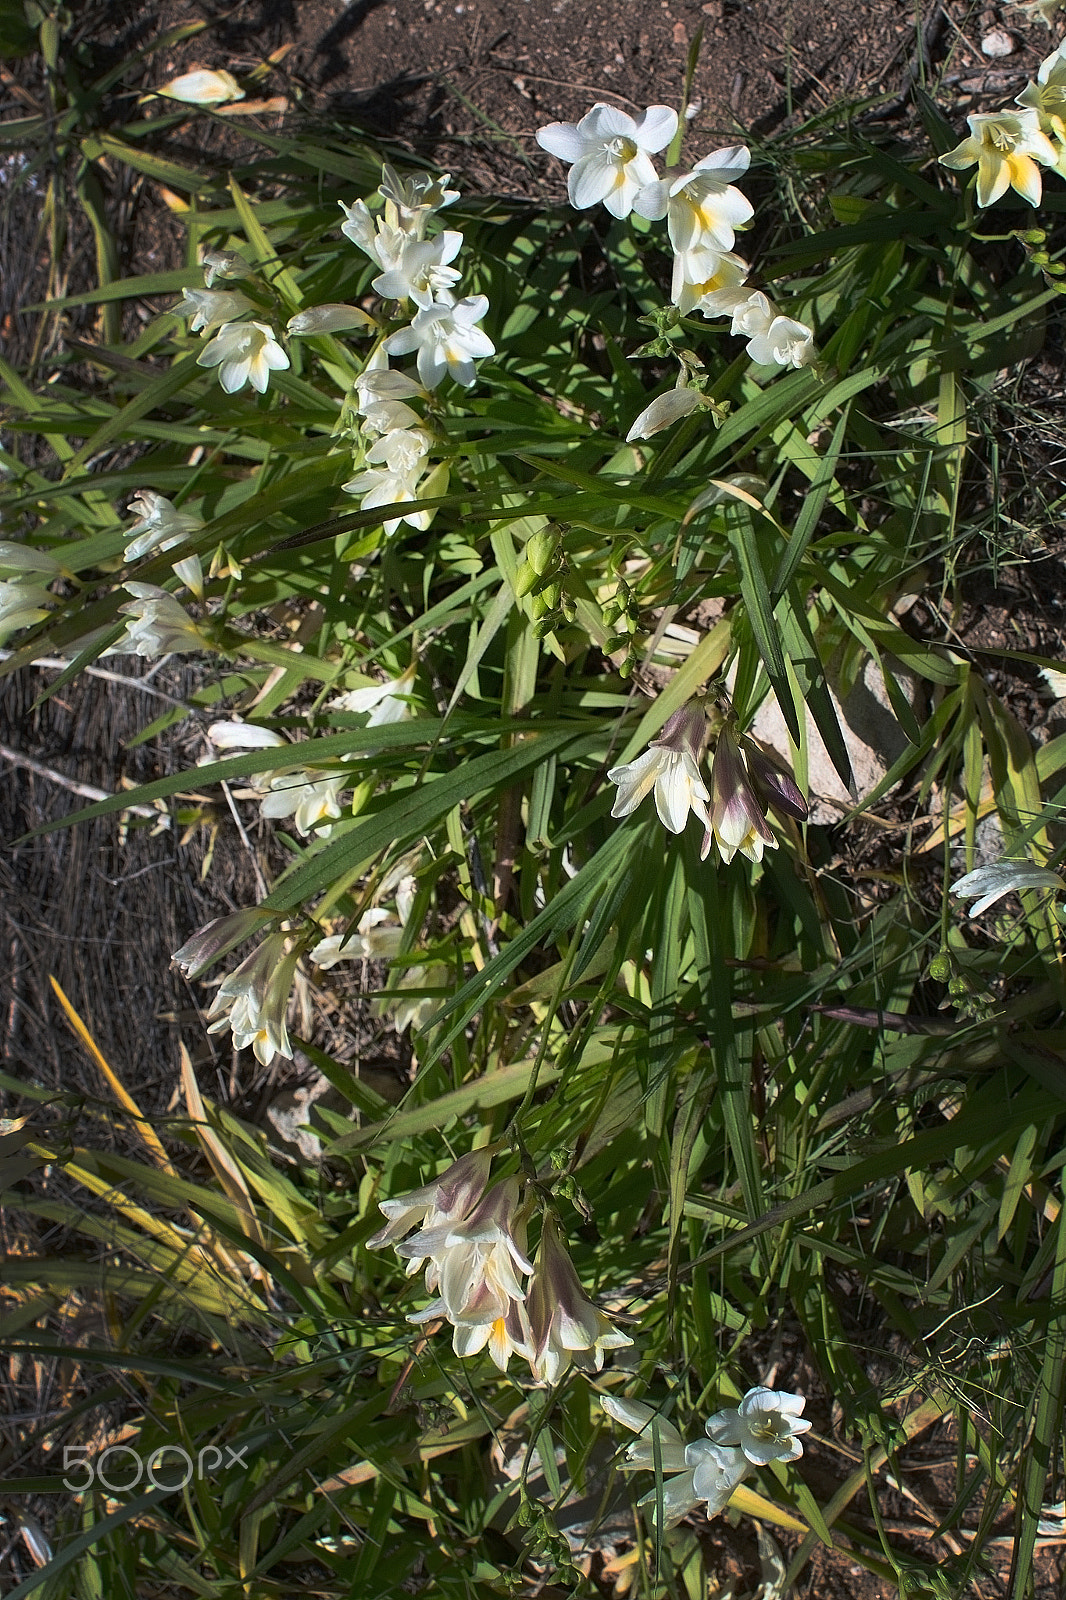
[(731, 1081)]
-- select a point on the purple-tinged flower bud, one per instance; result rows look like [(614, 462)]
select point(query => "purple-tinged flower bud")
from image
[(215, 940), (774, 784), (737, 817)]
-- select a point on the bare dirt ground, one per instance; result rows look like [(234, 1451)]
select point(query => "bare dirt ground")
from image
[(464, 83)]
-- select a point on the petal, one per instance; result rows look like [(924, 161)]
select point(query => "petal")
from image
[(591, 180), (605, 122), (656, 128), (563, 140)]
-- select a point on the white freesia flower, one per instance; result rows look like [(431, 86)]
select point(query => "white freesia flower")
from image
[(609, 154), (708, 282), (386, 702), (401, 451), (1005, 148), (159, 625), (564, 1324), (753, 315), (737, 818), (447, 340), (991, 883), (474, 1265), (765, 1426), (421, 273), (1047, 96), (309, 799), (414, 1011), (159, 524), (704, 209), (215, 940), (22, 603), (327, 319), (377, 486), (1055, 679), (244, 352), (447, 1200), (253, 1000), (670, 767), (375, 938), (418, 195), (701, 1471), (663, 412), (224, 264), (203, 88), (786, 343), (210, 308)]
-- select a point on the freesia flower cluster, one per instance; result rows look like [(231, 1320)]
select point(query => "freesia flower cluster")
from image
[(253, 1000), (765, 1426), (744, 784), (1009, 147), (610, 158), (471, 1239), (392, 443)]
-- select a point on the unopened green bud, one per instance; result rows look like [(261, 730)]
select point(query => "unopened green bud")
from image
[(550, 594), (541, 549), (959, 986), (525, 579), (544, 626), (940, 967)]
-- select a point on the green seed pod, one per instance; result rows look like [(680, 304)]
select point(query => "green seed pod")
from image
[(940, 966)]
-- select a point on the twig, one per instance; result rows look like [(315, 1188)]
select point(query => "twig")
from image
[(57, 664), (87, 791)]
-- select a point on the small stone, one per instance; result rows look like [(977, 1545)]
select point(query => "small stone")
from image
[(997, 43)]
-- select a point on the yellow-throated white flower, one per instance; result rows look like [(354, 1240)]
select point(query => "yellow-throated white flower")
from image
[(708, 282), (447, 339), (737, 817), (565, 1326), (766, 1426), (1006, 148), (253, 1000), (609, 154), (244, 352), (703, 208), (670, 767)]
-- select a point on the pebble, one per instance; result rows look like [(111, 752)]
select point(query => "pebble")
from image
[(997, 43)]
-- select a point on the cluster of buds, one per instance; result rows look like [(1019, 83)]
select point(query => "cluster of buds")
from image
[(744, 784), (765, 1426), (1009, 147), (444, 335), (609, 154), (472, 1241)]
